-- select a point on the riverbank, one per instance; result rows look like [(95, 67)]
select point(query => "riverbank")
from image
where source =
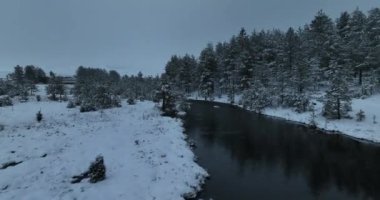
[(146, 155), (368, 129)]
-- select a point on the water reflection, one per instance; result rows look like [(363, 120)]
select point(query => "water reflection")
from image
[(251, 156)]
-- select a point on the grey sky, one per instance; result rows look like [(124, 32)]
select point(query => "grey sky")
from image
[(134, 35)]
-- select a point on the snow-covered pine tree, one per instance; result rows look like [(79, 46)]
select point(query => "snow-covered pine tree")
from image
[(342, 25), (30, 78), (55, 87), (337, 99), (373, 34), (300, 76), (19, 86), (321, 31), (168, 101), (172, 72), (231, 73), (244, 59), (207, 65), (187, 73), (358, 44)]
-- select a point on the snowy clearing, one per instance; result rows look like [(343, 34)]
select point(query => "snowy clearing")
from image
[(369, 129), (146, 155)]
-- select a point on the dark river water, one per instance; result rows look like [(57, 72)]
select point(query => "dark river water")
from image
[(252, 157)]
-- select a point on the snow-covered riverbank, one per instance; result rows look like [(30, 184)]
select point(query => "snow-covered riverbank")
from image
[(369, 129), (145, 154)]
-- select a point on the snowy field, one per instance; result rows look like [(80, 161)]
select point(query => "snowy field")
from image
[(146, 155), (369, 129)]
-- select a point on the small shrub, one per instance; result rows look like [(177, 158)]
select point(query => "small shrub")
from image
[(374, 119), (313, 124), (39, 116), (5, 101), (131, 101), (71, 104), (24, 97), (87, 108), (360, 116), (38, 98), (96, 172)]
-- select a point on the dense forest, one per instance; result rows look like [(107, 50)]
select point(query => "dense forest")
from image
[(339, 59)]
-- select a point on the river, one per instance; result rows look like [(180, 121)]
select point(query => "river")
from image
[(250, 156)]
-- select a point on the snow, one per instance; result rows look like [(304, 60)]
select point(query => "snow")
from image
[(366, 130), (145, 154)]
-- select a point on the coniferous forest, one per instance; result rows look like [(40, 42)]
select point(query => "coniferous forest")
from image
[(338, 58)]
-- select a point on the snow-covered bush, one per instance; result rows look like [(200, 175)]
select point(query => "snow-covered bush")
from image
[(300, 102), (96, 172), (39, 116), (104, 99), (256, 98), (5, 101), (131, 101), (87, 107), (360, 116), (71, 104)]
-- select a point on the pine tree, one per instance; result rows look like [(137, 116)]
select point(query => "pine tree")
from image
[(186, 74), (321, 30), (55, 87), (337, 99), (342, 25), (357, 43), (230, 73), (207, 65), (168, 101), (301, 72), (244, 59), (373, 34)]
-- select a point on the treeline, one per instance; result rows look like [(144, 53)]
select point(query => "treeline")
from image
[(21, 82), (100, 89), (94, 88), (283, 68)]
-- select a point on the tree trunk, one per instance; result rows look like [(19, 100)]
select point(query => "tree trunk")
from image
[(338, 107), (164, 101)]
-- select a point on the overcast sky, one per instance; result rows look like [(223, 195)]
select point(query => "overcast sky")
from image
[(138, 35)]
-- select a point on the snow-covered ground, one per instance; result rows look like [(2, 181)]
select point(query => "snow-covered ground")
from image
[(369, 129), (146, 155)]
